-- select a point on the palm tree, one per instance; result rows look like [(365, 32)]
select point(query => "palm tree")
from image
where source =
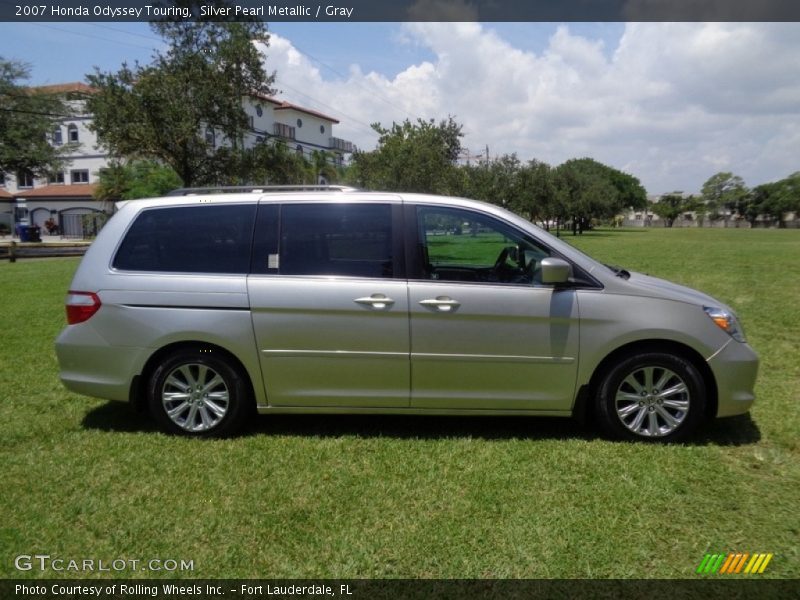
[(320, 170)]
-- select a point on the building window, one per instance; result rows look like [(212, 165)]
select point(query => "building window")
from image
[(299, 123), (56, 177), (259, 110), (72, 132), (299, 150), (322, 129), (259, 139), (251, 121), (283, 130), (57, 137), (2, 179), (210, 137), (24, 179), (79, 176)]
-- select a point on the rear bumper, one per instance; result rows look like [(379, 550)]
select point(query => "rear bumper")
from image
[(89, 365), (735, 367)]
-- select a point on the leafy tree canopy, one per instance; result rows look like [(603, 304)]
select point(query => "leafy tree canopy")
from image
[(185, 108), (138, 179), (773, 200), (411, 157), (27, 120), (724, 192), (670, 206)]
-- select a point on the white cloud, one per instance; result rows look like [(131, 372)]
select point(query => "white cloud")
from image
[(671, 104)]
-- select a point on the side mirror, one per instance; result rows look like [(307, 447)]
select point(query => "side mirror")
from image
[(555, 270)]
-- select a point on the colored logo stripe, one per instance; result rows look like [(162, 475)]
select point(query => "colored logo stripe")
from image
[(733, 563)]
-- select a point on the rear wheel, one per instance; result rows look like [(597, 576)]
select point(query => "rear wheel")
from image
[(653, 396), (198, 393)]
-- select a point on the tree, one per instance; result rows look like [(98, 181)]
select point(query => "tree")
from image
[(587, 189), (790, 193), (321, 168), (274, 164), (27, 120), (670, 206), (138, 179), (496, 181), (631, 192), (773, 200), (724, 193), (185, 109), (412, 157), (537, 194)]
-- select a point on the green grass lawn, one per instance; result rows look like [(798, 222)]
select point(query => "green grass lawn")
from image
[(319, 496)]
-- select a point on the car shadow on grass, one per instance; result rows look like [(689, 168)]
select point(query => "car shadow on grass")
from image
[(118, 416), (421, 427)]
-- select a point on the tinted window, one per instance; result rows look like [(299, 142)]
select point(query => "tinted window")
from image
[(336, 239), (189, 239)]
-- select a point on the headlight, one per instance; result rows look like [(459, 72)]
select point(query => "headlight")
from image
[(725, 320)]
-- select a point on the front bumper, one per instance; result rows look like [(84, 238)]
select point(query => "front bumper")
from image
[(735, 367)]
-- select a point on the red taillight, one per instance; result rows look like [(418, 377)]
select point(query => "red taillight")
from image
[(81, 306)]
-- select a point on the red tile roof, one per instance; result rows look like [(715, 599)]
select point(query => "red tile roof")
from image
[(5, 194), (76, 190), (65, 88), (283, 105)]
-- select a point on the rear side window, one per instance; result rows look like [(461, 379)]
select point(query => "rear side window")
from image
[(352, 240), (189, 239)]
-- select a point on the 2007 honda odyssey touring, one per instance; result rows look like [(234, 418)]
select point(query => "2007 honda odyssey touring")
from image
[(208, 306)]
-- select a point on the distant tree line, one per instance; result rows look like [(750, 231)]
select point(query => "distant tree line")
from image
[(725, 197), (423, 157)]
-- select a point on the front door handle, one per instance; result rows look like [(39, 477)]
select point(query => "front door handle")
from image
[(441, 303), (378, 301)]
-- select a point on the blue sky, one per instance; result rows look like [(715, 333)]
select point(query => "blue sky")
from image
[(671, 103), (61, 52)]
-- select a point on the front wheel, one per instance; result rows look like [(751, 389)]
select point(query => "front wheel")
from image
[(653, 396), (198, 393)]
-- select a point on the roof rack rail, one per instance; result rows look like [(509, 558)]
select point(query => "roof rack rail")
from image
[(257, 189)]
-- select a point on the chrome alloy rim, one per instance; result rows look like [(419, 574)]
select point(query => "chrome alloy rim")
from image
[(195, 397), (652, 401)]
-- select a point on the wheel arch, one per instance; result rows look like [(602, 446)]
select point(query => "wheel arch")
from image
[(138, 393), (583, 408)]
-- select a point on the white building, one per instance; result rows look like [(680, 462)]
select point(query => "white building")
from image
[(301, 129), (66, 196)]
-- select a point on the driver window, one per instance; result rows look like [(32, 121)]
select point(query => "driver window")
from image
[(461, 245)]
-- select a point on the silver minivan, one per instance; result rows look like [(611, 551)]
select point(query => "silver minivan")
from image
[(207, 306)]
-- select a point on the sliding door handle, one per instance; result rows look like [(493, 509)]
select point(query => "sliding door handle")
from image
[(378, 301), (441, 303)]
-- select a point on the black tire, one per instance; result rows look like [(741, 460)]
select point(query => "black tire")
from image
[(205, 391), (628, 408)]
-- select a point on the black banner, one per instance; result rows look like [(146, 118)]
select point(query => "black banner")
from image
[(400, 589), (402, 10)]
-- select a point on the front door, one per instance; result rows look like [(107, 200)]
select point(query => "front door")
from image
[(485, 334)]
